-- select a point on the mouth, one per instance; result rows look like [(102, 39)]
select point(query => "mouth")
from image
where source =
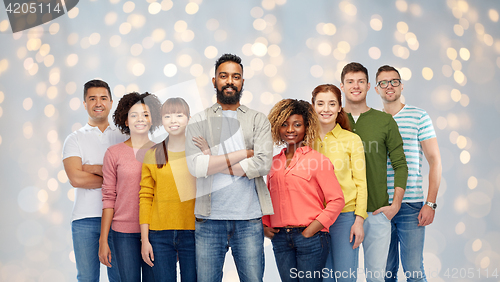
[(140, 126), (326, 115), (99, 110), (174, 127), (355, 93), (290, 136), (229, 89)]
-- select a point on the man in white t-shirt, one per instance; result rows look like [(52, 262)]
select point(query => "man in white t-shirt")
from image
[(419, 138), (83, 154)]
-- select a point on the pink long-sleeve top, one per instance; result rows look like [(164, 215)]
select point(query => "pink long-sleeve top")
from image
[(304, 191), (121, 171)]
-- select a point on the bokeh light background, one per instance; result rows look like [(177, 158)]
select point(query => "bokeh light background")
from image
[(448, 53)]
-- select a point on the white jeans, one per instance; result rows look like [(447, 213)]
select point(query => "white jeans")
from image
[(376, 246)]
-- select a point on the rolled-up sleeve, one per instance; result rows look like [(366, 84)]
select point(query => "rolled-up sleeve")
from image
[(260, 163), (197, 162), (109, 181), (334, 197)]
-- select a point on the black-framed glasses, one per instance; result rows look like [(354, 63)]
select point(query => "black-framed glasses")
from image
[(385, 83)]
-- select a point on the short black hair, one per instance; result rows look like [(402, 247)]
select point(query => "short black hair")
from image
[(96, 83), (228, 58), (386, 68), (353, 67), (120, 115)]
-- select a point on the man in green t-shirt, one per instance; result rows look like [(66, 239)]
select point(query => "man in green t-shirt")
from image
[(380, 135)]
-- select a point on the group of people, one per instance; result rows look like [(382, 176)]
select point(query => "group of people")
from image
[(344, 176)]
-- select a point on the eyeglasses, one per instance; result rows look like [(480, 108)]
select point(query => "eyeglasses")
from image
[(385, 83)]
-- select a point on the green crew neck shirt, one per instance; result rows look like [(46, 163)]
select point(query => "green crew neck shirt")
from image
[(380, 135)]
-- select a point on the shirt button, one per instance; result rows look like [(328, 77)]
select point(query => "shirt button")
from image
[(354, 129)]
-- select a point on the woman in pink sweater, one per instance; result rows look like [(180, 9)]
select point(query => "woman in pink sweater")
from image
[(136, 115)]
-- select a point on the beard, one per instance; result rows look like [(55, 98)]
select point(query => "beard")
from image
[(229, 100)]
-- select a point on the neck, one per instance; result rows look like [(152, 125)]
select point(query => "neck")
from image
[(393, 107), (177, 143), (290, 150), (325, 128), (102, 125), (356, 108), (138, 141), (227, 107)]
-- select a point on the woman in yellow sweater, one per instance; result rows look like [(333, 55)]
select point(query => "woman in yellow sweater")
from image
[(345, 150), (167, 199)]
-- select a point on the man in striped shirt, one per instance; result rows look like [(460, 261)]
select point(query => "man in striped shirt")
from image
[(419, 138)]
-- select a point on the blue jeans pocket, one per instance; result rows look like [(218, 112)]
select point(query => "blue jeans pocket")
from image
[(414, 206)]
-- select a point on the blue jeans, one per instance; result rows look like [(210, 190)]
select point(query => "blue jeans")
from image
[(168, 245), (407, 235), (213, 239), (376, 245), (86, 233), (343, 260), (299, 258), (129, 258)]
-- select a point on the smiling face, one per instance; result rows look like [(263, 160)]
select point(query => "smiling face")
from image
[(175, 123), (228, 82), (391, 93), (327, 107), (98, 104), (139, 119), (293, 130), (355, 86)]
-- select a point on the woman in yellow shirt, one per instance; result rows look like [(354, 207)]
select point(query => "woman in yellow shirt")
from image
[(167, 199), (345, 151)]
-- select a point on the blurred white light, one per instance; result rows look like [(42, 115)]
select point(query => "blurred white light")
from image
[(128, 7), (211, 52), (259, 49), (154, 8), (374, 53), (74, 103), (170, 70), (27, 104), (110, 18), (192, 8)]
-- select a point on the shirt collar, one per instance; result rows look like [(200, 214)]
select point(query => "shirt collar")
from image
[(216, 107), (303, 150), (89, 127), (335, 131)]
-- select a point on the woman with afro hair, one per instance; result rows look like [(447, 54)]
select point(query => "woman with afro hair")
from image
[(305, 193), (136, 115)]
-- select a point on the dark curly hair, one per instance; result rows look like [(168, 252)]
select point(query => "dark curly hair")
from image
[(228, 58), (288, 107), (120, 116)]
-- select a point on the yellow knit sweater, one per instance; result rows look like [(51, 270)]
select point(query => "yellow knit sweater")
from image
[(167, 194)]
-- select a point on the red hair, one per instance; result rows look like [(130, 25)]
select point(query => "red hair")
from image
[(342, 118)]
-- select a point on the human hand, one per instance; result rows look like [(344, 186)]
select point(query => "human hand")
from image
[(201, 143), (269, 231), (426, 216), (105, 254), (357, 232), (147, 253), (389, 211)]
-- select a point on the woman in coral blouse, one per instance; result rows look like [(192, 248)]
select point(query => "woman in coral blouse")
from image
[(304, 191), (167, 200), (345, 150), (136, 115)]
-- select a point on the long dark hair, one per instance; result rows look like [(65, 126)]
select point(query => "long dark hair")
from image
[(172, 105), (342, 118)]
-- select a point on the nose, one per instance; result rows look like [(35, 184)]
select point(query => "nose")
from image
[(290, 128)]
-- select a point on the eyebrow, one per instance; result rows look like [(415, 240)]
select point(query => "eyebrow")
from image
[(223, 72)]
